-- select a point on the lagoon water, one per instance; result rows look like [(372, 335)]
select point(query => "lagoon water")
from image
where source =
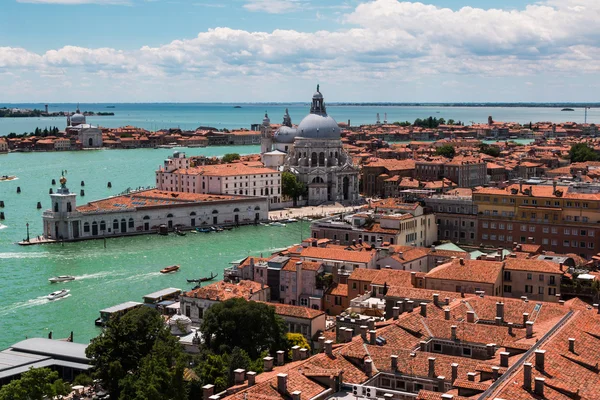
[(154, 116), (127, 268)]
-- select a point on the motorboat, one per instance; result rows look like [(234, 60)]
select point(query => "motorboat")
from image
[(179, 233), (277, 224), (58, 294), (61, 278), (203, 230), (290, 220), (167, 270), (7, 178)]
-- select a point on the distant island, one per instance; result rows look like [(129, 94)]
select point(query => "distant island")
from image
[(237, 106), (502, 105), (26, 113), (567, 109)]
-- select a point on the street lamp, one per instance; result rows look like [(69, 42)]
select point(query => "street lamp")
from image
[(27, 225)]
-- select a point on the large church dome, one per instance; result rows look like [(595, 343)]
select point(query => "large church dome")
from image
[(317, 124)]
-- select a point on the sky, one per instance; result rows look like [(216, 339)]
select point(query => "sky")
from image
[(278, 50)]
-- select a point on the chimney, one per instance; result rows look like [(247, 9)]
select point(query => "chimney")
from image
[(471, 316), (282, 384), (424, 309), (529, 329), (495, 373), (251, 375), (268, 363), (296, 395), (347, 335), (400, 305), (371, 324), (431, 367), (527, 376), (447, 300), (572, 345), (304, 352), (500, 311), (525, 318), (504, 359), (454, 371), (510, 328), (295, 353), (322, 343), (395, 312), (329, 348), (436, 297), (471, 376), (540, 355), (372, 336), (369, 367), (394, 362), (410, 305), (539, 386), (413, 279), (207, 391), (498, 320), (462, 261), (561, 265), (441, 383), (491, 349), (239, 376), (447, 314), (280, 357), (363, 332)]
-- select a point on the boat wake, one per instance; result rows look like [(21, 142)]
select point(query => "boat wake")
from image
[(94, 276), (24, 305), (142, 277), (22, 255), (3, 226)]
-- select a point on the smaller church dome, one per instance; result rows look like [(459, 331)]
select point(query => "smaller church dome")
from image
[(77, 119), (266, 121), (285, 134)]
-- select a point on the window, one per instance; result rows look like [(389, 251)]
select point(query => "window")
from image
[(509, 227), (86, 227), (551, 291), (484, 236), (552, 280), (532, 228), (544, 241), (501, 226), (590, 245), (282, 288), (545, 229), (437, 348), (115, 224), (304, 302), (541, 290), (507, 289), (554, 230), (354, 285), (493, 225), (554, 242), (566, 243), (523, 228), (484, 224), (529, 276), (466, 351), (528, 289), (507, 275)]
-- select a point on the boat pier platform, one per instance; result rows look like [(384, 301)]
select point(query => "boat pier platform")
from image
[(36, 240)]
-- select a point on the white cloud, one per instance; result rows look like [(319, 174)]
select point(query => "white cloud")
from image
[(273, 6), (384, 41)]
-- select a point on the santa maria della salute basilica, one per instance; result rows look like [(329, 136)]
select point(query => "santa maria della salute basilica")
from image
[(313, 152)]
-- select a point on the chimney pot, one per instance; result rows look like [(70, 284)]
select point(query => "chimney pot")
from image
[(268, 363), (572, 345), (394, 362), (322, 343), (436, 297), (495, 373), (527, 376), (372, 336), (529, 329), (396, 312), (441, 384), (280, 357), (296, 395), (239, 376), (510, 328), (369, 367), (207, 391), (453, 330), (295, 353), (251, 375), (540, 356), (447, 314), (363, 332), (424, 309), (329, 347), (504, 359), (539, 386), (400, 305), (471, 376), (410, 305), (471, 316), (454, 372), (304, 352), (282, 383), (500, 311), (525, 318), (431, 366)]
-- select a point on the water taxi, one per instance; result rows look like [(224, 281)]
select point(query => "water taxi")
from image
[(61, 278), (277, 224), (7, 178), (58, 294), (167, 270)]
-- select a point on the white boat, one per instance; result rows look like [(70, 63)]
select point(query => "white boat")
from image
[(62, 278), (58, 294), (277, 224), (290, 220)]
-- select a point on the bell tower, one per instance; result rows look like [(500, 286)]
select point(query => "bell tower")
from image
[(266, 135), (56, 224)]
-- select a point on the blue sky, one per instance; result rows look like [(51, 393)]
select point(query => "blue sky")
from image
[(271, 50)]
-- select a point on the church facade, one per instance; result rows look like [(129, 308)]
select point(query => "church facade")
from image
[(89, 136), (313, 152)]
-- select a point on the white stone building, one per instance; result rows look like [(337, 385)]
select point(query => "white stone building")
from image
[(179, 175), (144, 211), (89, 136), (314, 154)]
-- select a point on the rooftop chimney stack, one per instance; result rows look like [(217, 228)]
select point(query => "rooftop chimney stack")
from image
[(400, 305), (436, 297), (239, 376), (369, 367), (471, 376), (207, 391), (296, 395), (454, 372), (396, 312), (453, 329), (471, 316), (431, 367), (295, 353), (529, 329), (539, 386), (280, 357), (372, 336), (504, 359), (491, 349), (268, 363), (363, 332), (251, 375), (423, 345), (424, 309), (441, 384), (304, 352), (500, 310), (495, 373), (322, 343), (329, 347), (282, 383), (572, 345), (410, 305), (525, 318), (394, 362), (510, 328), (527, 376), (540, 356), (447, 314)]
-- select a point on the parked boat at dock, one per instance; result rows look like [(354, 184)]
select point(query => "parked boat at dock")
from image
[(58, 294), (167, 270), (61, 278)]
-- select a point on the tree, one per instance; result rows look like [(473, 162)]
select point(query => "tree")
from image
[(35, 384), (446, 150), (230, 157), (263, 330), (493, 151), (137, 351), (296, 339), (581, 152), (291, 186)]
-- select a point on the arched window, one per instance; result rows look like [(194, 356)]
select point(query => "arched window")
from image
[(170, 216), (193, 213), (69, 209), (203, 185), (317, 179), (55, 207), (236, 210), (131, 223), (102, 225), (146, 217), (94, 228), (321, 159), (313, 159), (256, 208), (115, 224), (215, 212), (86, 227)]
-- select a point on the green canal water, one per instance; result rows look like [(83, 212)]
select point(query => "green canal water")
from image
[(126, 269)]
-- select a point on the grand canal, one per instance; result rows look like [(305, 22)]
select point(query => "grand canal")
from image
[(126, 269)]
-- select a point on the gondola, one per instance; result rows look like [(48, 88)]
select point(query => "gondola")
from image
[(205, 279)]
